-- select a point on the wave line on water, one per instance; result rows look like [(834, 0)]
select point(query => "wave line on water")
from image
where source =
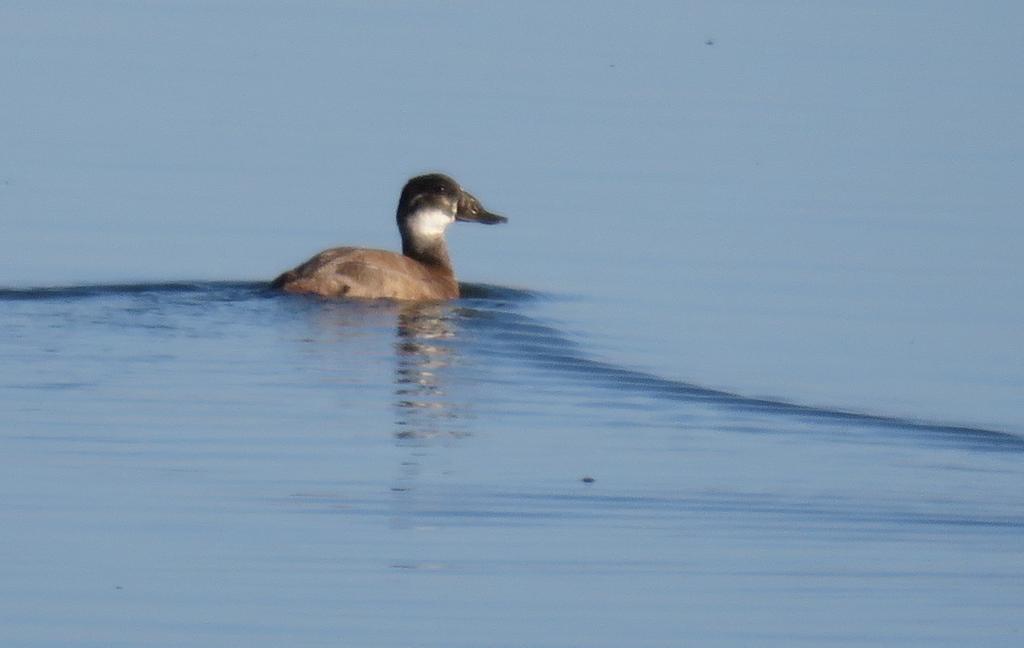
[(526, 338), (512, 334), (127, 289)]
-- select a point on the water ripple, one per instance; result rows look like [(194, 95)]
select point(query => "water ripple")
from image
[(502, 331)]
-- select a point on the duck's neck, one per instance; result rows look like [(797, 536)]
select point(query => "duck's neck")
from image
[(432, 252), (423, 236)]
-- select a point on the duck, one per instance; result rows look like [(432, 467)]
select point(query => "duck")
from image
[(422, 272)]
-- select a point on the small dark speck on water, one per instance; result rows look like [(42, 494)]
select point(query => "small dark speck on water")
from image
[(709, 42), (587, 480)]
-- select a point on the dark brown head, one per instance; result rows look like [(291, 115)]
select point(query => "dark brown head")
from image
[(432, 202)]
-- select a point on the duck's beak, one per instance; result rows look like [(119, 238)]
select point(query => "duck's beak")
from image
[(470, 210)]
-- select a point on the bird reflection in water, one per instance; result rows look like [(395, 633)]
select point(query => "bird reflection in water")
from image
[(426, 349), (426, 413)]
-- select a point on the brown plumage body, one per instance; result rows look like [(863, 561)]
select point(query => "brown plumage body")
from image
[(369, 274), (423, 271)]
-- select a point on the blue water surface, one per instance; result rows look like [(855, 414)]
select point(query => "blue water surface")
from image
[(215, 463), (744, 368)]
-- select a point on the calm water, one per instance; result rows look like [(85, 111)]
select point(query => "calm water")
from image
[(215, 464), (744, 368)]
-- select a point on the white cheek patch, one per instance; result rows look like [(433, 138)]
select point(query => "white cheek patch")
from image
[(430, 223)]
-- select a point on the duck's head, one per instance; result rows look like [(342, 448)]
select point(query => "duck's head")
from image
[(432, 202)]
